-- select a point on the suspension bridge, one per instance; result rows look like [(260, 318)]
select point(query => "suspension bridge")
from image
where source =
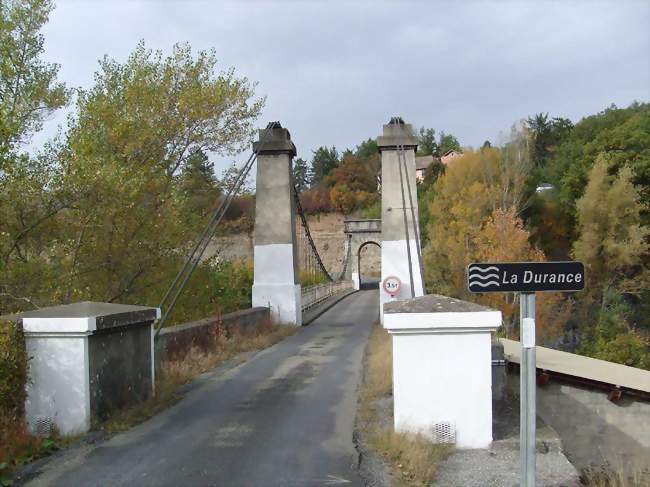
[(289, 274)]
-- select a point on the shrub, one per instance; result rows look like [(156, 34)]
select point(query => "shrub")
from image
[(346, 201), (232, 283), (343, 199), (14, 439), (613, 338), (373, 211), (241, 206), (13, 372), (316, 200)]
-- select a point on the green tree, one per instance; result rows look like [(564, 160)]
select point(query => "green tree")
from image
[(540, 127), (229, 177), (322, 163), (622, 134), (612, 337), (612, 241), (130, 146), (29, 194), (301, 174), (199, 185), (367, 150), (432, 173), (447, 143), (29, 91), (546, 135), (427, 144)]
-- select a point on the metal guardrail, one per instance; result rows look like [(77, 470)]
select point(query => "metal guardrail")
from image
[(316, 294)]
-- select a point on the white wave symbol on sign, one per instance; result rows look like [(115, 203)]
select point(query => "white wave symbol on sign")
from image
[(486, 274)]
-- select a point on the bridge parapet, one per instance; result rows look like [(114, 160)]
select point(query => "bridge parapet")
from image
[(363, 226), (316, 294)]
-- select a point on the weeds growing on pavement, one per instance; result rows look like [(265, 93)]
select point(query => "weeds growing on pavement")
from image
[(413, 458)]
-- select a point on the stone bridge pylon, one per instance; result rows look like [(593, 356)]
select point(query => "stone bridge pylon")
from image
[(400, 245), (275, 266)]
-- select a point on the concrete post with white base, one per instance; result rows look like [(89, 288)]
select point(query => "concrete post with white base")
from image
[(442, 383), (398, 139), (275, 282), (87, 360)]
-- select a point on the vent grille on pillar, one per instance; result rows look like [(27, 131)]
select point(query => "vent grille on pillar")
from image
[(444, 432)]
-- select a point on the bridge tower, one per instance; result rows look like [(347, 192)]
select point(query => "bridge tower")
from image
[(276, 281), (400, 248)]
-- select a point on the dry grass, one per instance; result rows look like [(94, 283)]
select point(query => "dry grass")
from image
[(614, 477), (19, 447), (195, 362), (413, 458), (379, 361)]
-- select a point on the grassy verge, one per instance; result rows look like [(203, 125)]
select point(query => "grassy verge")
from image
[(608, 476), (182, 370), (18, 447), (413, 458)]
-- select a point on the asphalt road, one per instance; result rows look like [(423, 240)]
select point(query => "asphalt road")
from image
[(284, 418)]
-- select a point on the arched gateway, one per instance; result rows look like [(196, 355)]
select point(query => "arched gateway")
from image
[(360, 233)]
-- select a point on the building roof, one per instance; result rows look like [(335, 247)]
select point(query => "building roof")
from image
[(582, 367), (422, 162)]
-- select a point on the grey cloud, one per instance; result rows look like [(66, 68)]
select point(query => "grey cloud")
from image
[(335, 71)]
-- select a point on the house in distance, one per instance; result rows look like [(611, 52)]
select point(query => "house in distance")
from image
[(422, 162)]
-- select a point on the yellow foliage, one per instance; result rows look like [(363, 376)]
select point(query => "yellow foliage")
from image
[(474, 217), (612, 239)]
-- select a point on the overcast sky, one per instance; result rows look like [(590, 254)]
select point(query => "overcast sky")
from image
[(334, 72)]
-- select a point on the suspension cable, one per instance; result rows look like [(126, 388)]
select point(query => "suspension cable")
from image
[(406, 228), (198, 250), (346, 260), (310, 240), (416, 222)]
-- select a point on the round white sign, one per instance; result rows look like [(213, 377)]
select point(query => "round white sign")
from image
[(392, 285)]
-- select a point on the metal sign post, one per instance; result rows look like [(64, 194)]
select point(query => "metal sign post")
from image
[(525, 278), (527, 385)]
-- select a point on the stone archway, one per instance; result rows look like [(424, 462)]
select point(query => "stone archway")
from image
[(367, 284), (360, 233)]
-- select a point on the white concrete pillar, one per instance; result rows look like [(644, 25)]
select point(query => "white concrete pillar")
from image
[(442, 382), (275, 282), (87, 359), (395, 247)]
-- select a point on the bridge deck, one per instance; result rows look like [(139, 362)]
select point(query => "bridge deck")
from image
[(583, 367), (285, 417)]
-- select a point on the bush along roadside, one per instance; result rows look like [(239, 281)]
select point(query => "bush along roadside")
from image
[(17, 445), (412, 458)]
